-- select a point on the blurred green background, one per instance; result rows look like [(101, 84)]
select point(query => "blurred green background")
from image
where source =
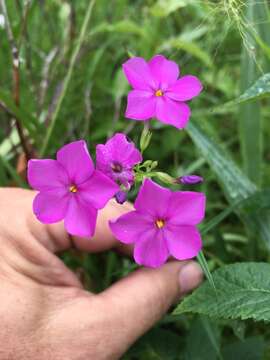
[(69, 85)]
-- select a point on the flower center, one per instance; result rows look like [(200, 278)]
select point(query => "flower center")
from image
[(73, 188), (160, 223), (116, 167), (159, 93)]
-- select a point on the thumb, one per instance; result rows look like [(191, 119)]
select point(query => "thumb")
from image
[(139, 300)]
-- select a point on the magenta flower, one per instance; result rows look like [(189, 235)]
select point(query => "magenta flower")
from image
[(117, 158), (162, 224), (158, 92), (70, 189)]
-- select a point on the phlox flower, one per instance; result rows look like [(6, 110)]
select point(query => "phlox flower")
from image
[(117, 158), (162, 224), (157, 91), (70, 189)]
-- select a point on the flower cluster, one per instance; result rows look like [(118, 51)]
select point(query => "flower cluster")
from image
[(71, 188)]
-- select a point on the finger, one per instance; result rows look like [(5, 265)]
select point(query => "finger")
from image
[(136, 302), (55, 237), (103, 238)]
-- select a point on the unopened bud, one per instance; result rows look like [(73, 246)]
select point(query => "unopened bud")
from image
[(165, 178), (121, 197), (190, 179), (145, 139)]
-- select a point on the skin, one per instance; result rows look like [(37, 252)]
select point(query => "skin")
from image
[(45, 312)]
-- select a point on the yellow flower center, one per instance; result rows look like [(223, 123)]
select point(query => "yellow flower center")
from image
[(159, 93), (73, 189), (160, 223)]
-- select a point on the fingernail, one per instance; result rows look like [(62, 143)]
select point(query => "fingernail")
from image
[(190, 276)]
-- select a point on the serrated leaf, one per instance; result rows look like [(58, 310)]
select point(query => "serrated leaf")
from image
[(242, 292)]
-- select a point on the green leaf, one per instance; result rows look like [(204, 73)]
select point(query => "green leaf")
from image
[(250, 120), (28, 121), (13, 173), (242, 292), (203, 340), (157, 344), (203, 263), (189, 47), (163, 8), (259, 90), (68, 77), (258, 201), (236, 184), (249, 349), (124, 26)]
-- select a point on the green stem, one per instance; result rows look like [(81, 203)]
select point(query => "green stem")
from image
[(67, 78)]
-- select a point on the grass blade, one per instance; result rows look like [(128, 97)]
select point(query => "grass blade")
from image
[(236, 184), (67, 78), (203, 263), (250, 122)]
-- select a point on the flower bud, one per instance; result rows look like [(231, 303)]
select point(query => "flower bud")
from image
[(145, 139), (190, 179), (121, 197), (165, 178)]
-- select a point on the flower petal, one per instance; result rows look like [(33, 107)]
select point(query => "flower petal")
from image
[(141, 105), (185, 88), (75, 158), (80, 219), (171, 112), (152, 199), (186, 208), (123, 151), (138, 73), (128, 227), (164, 71), (151, 250), (46, 174), (97, 190), (184, 242), (51, 206)]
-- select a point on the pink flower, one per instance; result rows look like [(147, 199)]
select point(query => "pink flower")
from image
[(158, 92), (70, 189), (117, 158), (162, 224)]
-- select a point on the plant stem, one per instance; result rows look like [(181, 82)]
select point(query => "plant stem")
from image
[(16, 78), (67, 78)]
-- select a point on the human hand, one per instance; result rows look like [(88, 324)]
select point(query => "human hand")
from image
[(45, 312)]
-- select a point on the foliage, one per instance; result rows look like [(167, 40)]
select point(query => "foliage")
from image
[(71, 86)]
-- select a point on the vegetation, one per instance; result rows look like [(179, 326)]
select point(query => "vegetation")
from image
[(61, 80)]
